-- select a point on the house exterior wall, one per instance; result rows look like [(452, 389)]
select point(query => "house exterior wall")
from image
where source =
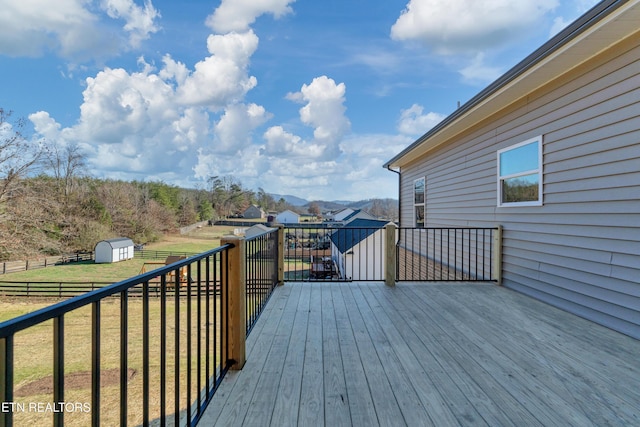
[(288, 217), (253, 212), (580, 250)]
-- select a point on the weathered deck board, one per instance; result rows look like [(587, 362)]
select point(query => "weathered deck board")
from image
[(427, 354)]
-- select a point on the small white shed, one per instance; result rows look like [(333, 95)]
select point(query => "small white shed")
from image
[(113, 250)]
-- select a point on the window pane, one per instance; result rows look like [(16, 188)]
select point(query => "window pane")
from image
[(520, 189), (521, 159), (418, 191), (420, 216)]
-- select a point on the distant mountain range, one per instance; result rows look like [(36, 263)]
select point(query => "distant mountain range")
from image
[(324, 204), (298, 201), (292, 200)]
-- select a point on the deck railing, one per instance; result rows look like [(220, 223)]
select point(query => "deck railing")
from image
[(333, 253), (392, 254), (177, 343), (448, 254), (261, 253)]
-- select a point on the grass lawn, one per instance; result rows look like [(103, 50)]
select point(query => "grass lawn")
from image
[(199, 240), (33, 357), (33, 353)]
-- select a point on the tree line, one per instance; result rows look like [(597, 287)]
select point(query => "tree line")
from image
[(51, 205)]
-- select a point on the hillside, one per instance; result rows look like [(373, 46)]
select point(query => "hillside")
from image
[(46, 215)]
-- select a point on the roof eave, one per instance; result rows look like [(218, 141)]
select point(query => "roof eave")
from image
[(578, 27)]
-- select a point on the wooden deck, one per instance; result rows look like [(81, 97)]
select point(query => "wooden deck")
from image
[(362, 354)]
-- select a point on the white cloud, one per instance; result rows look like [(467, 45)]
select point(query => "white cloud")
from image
[(234, 130), (237, 15), (413, 122), (221, 78), (140, 21), (173, 123), (324, 111), (73, 29), (478, 73), (559, 23), (280, 143), (117, 103), (458, 26)]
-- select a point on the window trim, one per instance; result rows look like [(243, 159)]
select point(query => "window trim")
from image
[(423, 203), (538, 171)]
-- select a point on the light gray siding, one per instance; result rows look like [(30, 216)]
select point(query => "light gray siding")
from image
[(580, 251)]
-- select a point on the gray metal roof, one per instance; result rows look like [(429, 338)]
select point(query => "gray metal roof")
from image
[(119, 242)]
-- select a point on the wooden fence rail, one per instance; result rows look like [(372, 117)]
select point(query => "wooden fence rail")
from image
[(17, 266)]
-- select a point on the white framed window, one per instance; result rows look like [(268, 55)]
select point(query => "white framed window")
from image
[(520, 174), (419, 202)]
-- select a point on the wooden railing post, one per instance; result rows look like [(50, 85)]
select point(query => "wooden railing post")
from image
[(390, 261), (233, 288), (497, 255), (280, 254)]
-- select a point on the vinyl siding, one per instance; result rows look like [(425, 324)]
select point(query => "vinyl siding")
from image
[(580, 251)]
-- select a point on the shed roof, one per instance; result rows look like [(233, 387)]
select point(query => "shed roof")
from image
[(605, 24), (118, 242), (355, 232)]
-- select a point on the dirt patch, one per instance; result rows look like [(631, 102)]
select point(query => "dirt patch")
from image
[(74, 381)]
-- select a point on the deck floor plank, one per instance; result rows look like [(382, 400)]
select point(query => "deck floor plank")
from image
[(450, 397), (285, 411), (554, 367), (336, 397), (231, 401), (484, 393), (312, 392), (387, 409), (411, 406), (361, 405), (427, 354), (266, 389), (513, 375)]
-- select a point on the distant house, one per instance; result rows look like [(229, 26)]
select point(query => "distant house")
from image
[(358, 250), (288, 217), (254, 212), (551, 152), (357, 214), (113, 250)]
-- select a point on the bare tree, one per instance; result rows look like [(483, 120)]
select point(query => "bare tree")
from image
[(66, 164), (17, 154)]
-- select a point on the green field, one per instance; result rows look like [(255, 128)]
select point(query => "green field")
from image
[(199, 240), (34, 360), (33, 347)]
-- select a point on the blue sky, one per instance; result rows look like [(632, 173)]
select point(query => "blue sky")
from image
[(299, 97)]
